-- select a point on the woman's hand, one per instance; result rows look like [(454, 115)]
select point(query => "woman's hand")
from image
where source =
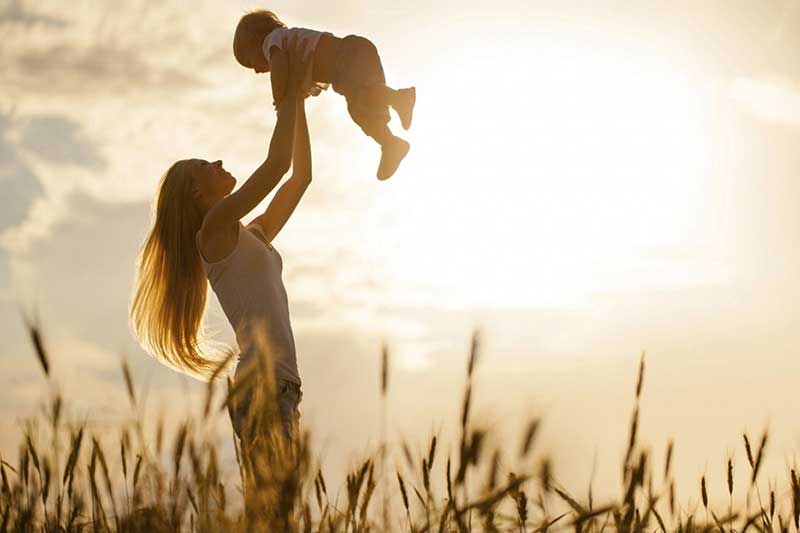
[(298, 67)]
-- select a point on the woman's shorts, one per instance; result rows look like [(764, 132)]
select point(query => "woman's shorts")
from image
[(289, 396)]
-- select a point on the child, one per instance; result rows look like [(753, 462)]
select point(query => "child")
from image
[(352, 65)]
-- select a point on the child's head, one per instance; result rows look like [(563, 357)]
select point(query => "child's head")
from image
[(251, 31)]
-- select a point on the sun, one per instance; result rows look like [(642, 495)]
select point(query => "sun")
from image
[(545, 182)]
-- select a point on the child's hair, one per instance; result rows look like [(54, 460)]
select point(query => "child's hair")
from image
[(252, 29), (169, 299)]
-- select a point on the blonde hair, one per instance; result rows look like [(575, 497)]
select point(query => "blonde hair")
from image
[(252, 28), (169, 300)]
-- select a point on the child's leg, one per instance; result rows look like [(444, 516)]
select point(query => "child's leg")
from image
[(361, 80), (379, 95), (373, 120), (379, 132), (393, 148), (374, 123)]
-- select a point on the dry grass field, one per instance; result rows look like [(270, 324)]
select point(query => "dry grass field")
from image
[(66, 480)]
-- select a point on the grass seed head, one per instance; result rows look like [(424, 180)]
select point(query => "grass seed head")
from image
[(703, 492), (38, 345), (384, 370), (449, 482), (545, 475), (123, 458), (403, 492), (126, 374), (771, 504), (465, 408), (136, 470), (530, 434), (640, 379), (668, 459), (432, 452), (474, 353), (730, 477), (180, 443), (748, 450), (759, 455), (322, 482), (69, 469)]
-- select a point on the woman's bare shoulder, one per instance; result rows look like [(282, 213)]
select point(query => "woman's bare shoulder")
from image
[(218, 243)]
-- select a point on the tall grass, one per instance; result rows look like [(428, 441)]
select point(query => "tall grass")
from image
[(65, 481)]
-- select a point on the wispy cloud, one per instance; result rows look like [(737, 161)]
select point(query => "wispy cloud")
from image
[(38, 155), (17, 179), (60, 140), (771, 100), (5, 278), (16, 12)]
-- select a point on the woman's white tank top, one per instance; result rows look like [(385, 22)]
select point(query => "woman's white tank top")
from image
[(250, 290)]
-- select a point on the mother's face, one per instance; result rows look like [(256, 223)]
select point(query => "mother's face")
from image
[(210, 182)]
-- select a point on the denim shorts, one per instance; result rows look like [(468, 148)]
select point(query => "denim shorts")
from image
[(289, 395)]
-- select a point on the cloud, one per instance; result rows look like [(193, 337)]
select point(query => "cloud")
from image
[(135, 48), (17, 179), (771, 100), (58, 139), (5, 276), (37, 150), (89, 258), (100, 67), (16, 13)]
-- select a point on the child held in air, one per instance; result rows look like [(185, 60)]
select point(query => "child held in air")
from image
[(351, 65)]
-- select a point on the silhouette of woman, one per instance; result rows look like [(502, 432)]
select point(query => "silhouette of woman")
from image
[(197, 235)]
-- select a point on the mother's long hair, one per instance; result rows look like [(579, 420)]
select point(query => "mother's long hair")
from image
[(169, 298)]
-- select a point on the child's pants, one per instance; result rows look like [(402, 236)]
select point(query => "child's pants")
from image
[(359, 66)]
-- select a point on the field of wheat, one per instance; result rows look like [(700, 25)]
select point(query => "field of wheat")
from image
[(65, 480)]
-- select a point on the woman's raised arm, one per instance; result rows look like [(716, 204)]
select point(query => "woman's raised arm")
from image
[(286, 199), (240, 202)]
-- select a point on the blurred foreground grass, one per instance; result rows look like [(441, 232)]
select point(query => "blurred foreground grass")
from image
[(66, 481)]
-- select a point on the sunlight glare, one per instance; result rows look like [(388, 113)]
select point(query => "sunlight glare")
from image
[(559, 180)]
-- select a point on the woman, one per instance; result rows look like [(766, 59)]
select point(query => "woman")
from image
[(197, 234)]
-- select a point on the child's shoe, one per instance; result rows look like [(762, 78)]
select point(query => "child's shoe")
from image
[(406, 98), (391, 156)]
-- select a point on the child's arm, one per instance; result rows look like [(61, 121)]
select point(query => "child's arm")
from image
[(279, 68), (288, 196)]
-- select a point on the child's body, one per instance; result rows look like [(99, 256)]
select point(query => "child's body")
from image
[(351, 65)]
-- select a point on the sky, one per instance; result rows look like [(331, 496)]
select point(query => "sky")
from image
[(587, 181)]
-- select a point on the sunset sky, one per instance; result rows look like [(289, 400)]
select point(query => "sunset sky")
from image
[(587, 181)]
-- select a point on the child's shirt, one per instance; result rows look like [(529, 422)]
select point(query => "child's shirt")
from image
[(284, 38)]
